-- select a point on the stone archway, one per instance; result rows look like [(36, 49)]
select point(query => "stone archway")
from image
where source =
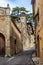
[(2, 45)]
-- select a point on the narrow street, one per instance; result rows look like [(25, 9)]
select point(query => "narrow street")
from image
[(23, 58)]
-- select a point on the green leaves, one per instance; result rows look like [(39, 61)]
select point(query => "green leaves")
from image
[(18, 10)]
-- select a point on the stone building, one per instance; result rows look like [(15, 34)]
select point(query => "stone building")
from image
[(27, 32), (37, 6), (10, 35), (14, 36), (24, 32), (31, 33)]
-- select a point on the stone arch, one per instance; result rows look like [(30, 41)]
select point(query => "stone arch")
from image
[(2, 44)]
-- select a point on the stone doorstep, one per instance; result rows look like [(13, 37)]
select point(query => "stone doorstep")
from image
[(37, 61)]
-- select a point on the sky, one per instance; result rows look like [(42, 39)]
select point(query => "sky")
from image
[(19, 3)]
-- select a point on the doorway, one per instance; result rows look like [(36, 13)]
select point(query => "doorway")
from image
[(15, 45), (38, 46), (2, 45)]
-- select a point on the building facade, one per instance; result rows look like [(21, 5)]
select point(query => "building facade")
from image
[(37, 6), (14, 37), (10, 35)]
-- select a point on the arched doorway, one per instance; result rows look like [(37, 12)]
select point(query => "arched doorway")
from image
[(2, 45)]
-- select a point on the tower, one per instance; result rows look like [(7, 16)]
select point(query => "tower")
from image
[(24, 33)]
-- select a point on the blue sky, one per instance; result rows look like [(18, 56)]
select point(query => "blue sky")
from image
[(14, 3)]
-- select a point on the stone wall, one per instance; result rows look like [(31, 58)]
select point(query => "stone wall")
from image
[(24, 33), (16, 47), (5, 30)]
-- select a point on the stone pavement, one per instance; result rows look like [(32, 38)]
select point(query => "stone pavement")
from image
[(20, 60), (23, 58)]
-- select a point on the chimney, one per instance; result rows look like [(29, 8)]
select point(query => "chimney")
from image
[(8, 10)]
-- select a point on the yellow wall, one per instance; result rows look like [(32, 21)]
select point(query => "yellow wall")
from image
[(39, 27)]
